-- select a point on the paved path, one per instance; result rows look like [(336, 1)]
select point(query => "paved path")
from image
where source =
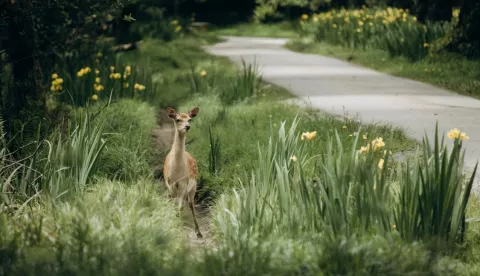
[(335, 86)]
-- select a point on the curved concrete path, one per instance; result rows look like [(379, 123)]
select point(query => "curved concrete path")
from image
[(336, 87)]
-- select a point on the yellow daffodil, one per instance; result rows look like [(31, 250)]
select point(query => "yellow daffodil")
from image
[(97, 80), (304, 16), (139, 87), (81, 73), (174, 22), (128, 70), (203, 73), (115, 75), (334, 26), (178, 29), (378, 143), (87, 69), (98, 87), (57, 81), (94, 97), (126, 85), (97, 71), (365, 150), (385, 153), (364, 137), (293, 158), (344, 127), (457, 134), (380, 163), (112, 68), (54, 75), (308, 135), (426, 45)]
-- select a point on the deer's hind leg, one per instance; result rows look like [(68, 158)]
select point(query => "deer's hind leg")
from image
[(191, 203)]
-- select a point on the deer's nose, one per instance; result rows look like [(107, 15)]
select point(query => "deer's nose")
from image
[(187, 127)]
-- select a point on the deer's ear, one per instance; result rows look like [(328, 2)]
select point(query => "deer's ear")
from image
[(171, 112), (193, 112)]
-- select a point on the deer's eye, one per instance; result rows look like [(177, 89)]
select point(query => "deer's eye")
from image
[(178, 120)]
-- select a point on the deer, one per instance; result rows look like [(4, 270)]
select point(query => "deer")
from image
[(180, 169)]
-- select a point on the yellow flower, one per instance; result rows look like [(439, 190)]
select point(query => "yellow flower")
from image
[(359, 30), (293, 158), (394, 226), (126, 84), (57, 81), (426, 45), (128, 69), (365, 150), (334, 26), (87, 69), (94, 97), (174, 22), (457, 134), (414, 18), (380, 163), (97, 80), (308, 135), (370, 23), (178, 29), (54, 75), (364, 137), (97, 71), (99, 54), (315, 19), (344, 127), (203, 73), (115, 75), (53, 88), (304, 16), (98, 87), (378, 143), (112, 68), (139, 87), (385, 153), (360, 23)]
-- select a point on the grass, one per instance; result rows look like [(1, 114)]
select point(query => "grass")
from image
[(444, 70), (278, 30)]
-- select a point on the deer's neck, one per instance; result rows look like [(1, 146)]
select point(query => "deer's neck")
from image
[(178, 147)]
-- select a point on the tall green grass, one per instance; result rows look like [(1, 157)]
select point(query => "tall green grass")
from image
[(63, 164), (346, 193)]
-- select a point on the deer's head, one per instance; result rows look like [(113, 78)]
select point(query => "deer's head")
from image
[(182, 120)]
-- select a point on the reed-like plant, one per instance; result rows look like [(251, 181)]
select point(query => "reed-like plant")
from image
[(434, 193), (215, 153), (243, 86)]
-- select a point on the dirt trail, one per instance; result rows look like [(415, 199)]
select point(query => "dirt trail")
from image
[(163, 136)]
